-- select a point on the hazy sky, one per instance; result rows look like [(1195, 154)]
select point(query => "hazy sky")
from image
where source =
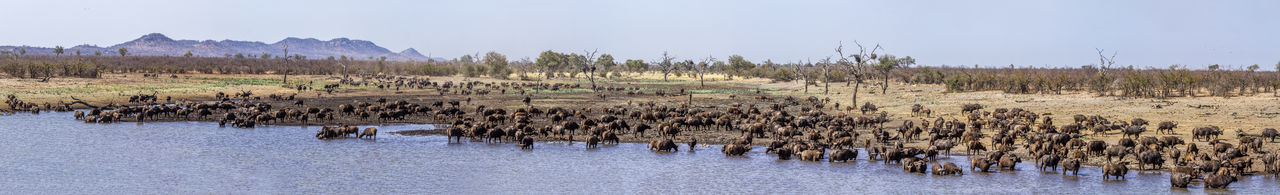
[(1155, 33)]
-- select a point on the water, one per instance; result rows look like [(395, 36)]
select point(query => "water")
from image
[(52, 154)]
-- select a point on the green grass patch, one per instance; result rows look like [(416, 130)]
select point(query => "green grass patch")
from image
[(558, 91), (720, 91), (238, 81)]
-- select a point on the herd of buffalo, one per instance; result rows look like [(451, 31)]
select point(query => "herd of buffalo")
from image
[(810, 129)]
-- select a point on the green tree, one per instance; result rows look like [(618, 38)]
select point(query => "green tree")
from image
[(467, 59), (22, 51), (738, 65), (97, 53), (887, 64), (57, 50), (77, 52), (188, 54), (577, 63), (265, 55), (636, 66), (1253, 67), (123, 51), (498, 67), (1214, 67), (239, 56), (550, 61), (606, 62)]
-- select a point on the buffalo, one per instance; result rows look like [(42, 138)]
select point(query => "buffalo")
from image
[(1009, 162), (1218, 181), (665, 145), (1116, 170), (980, 163), (735, 149), (1071, 165), (811, 155), (371, 132), (843, 155)]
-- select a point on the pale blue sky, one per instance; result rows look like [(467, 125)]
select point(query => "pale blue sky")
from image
[(1154, 33)]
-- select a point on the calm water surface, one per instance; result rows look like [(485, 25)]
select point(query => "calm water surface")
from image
[(52, 154)]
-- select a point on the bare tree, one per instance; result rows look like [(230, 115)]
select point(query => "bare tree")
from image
[(703, 68), (588, 66), (1102, 83), (857, 67), (666, 65), (799, 70), (826, 74)]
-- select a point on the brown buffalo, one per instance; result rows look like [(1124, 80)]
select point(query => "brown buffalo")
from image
[(735, 149), (1009, 162), (783, 153), (1071, 165), (1179, 180), (371, 132), (526, 143), (811, 155), (665, 145), (946, 169), (980, 163), (1218, 181), (1116, 170), (843, 155), (915, 165), (593, 142)]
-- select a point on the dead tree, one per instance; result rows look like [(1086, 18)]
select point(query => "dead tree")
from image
[(858, 66), (702, 70), (666, 65), (589, 66)]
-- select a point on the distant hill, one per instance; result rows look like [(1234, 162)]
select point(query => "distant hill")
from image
[(156, 44)]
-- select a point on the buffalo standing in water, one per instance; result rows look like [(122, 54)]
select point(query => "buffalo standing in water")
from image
[(735, 149), (593, 142), (1218, 181), (456, 132), (980, 163), (1071, 165), (811, 155), (1117, 170), (665, 145), (1179, 180), (946, 169), (1009, 162), (371, 132), (843, 155), (526, 143)]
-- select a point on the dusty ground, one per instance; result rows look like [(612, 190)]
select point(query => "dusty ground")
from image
[(1249, 114)]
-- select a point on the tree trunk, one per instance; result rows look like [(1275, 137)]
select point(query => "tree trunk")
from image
[(856, 86), (885, 88), (826, 77), (805, 82), (702, 79), (592, 78)]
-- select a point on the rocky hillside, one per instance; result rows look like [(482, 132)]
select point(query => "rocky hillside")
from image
[(157, 44)]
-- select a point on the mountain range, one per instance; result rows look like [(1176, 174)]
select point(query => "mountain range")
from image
[(156, 44)]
